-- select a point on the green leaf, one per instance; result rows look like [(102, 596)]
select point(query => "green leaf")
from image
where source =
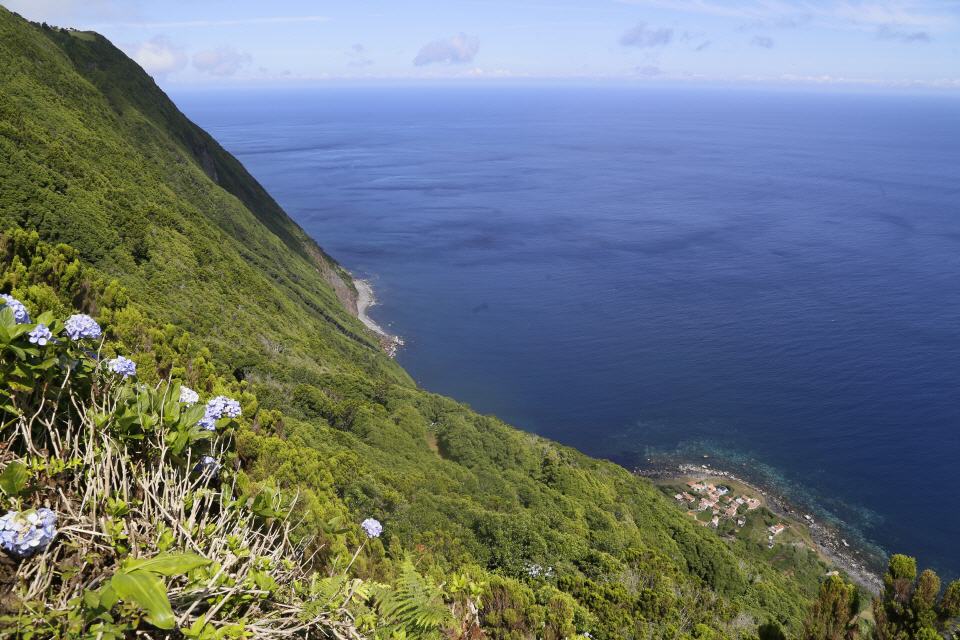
[(167, 564), (14, 479), (108, 596), (264, 580), (192, 415), (46, 364), (18, 330), (147, 591), (7, 321), (171, 406)]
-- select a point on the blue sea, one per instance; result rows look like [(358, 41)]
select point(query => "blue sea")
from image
[(768, 278)]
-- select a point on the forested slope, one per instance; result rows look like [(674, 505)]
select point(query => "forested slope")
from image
[(202, 278)]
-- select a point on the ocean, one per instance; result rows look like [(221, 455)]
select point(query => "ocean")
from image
[(768, 278)]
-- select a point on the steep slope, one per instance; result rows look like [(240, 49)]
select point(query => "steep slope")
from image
[(93, 154), (97, 157)]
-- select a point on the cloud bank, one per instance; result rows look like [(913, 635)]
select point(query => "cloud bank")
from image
[(887, 32), (158, 56), (922, 14), (458, 49), (66, 12), (357, 56), (644, 37), (223, 61)]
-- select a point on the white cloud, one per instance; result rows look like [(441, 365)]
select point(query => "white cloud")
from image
[(229, 22), (826, 79), (921, 14), (158, 56), (357, 56), (458, 49), (64, 12), (887, 32), (648, 71), (223, 61), (764, 42), (644, 37)]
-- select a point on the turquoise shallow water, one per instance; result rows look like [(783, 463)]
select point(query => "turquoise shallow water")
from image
[(771, 275)]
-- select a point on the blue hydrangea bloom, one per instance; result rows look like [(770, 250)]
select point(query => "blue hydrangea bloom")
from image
[(372, 527), (23, 533), (123, 366), (79, 326), (219, 407), (208, 464), (223, 407), (20, 314), (188, 396), (40, 335)]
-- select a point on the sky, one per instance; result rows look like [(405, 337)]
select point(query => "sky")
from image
[(894, 43)]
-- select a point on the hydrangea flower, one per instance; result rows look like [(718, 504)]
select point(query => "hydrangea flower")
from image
[(536, 571), (23, 533), (219, 407), (223, 407), (208, 464), (188, 396), (79, 326), (20, 314), (40, 335), (372, 527), (123, 366)]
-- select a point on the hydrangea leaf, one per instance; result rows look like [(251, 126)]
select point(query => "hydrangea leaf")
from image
[(147, 591), (192, 415), (14, 479), (167, 564), (46, 318), (7, 320)]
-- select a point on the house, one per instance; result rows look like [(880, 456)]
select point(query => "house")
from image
[(731, 511), (752, 503), (707, 503), (741, 522), (715, 522), (776, 529), (722, 491)]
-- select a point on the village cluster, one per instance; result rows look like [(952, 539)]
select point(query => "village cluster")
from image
[(702, 496)]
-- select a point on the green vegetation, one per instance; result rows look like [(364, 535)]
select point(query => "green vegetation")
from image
[(913, 606), (151, 528), (834, 615), (115, 205)]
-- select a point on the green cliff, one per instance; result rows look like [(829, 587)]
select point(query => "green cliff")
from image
[(114, 204)]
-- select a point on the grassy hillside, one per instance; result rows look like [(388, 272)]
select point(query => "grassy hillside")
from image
[(204, 279)]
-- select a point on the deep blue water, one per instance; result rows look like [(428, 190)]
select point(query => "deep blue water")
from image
[(771, 277)]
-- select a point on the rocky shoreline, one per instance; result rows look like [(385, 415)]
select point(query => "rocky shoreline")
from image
[(829, 541), (365, 299)]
